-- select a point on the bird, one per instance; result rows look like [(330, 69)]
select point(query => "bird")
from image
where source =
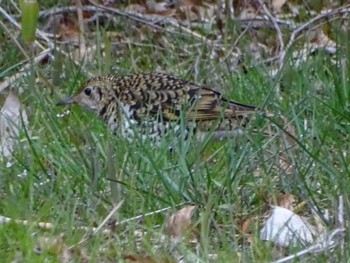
[(152, 105)]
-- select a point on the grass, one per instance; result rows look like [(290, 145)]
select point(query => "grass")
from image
[(63, 169)]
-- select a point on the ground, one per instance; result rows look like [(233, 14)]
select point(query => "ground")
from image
[(69, 170)]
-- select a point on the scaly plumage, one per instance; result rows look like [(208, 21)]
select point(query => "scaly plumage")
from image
[(153, 103)]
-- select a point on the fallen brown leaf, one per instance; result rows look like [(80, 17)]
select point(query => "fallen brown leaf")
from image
[(56, 246), (179, 224), (286, 201)]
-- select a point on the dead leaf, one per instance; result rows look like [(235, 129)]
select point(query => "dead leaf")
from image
[(246, 230), (56, 246), (135, 9), (248, 11), (320, 39), (285, 229), (179, 224), (245, 226), (286, 201), (148, 259), (53, 24), (193, 10), (65, 27), (277, 5), (12, 117), (285, 166), (160, 8), (69, 32)]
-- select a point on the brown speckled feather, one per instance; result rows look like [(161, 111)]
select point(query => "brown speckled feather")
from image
[(159, 97)]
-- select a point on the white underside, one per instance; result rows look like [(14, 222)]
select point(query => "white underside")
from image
[(153, 131)]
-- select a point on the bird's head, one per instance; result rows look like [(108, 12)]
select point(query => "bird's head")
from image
[(93, 95)]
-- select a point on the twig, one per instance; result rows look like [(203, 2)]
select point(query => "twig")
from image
[(42, 225), (147, 21), (143, 215), (93, 8), (275, 21), (111, 213), (41, 35), (341, 212), (134, 17), (23, 70), (328, 244), (14, 39), (325, 242), (18, 26), (290, 24), (341, 222), (280, 40), (237, 40), (67, 9), (327, 15), (278, 30), (82, 44), (92, 230)]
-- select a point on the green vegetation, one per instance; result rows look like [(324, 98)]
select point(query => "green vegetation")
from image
[(66, 163)]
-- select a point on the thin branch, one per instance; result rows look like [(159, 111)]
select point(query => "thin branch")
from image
[(14, 39), (82, 43), (311, 23), (23, 70), (278, 30), (144, 215), (39, 57), (152, 22), (18, 26), (93, 8), (111, 213), (341, 222), (237, 40), (328, 243), (42, 225), (134, 17)]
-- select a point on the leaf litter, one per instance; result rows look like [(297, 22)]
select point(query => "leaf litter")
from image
[(12, 119)]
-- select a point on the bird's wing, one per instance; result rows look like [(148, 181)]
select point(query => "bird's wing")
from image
[(209, 105), (193, 101)]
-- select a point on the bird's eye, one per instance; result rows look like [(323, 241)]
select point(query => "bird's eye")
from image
[(87, 91)]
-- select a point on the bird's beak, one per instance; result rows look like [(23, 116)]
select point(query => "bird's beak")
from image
[(66, 101)]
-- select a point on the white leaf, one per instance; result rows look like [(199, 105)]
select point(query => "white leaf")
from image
[(11, 116), (285, 229)]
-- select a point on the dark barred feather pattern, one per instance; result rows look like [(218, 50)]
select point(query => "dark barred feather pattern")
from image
[(153, 103)]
